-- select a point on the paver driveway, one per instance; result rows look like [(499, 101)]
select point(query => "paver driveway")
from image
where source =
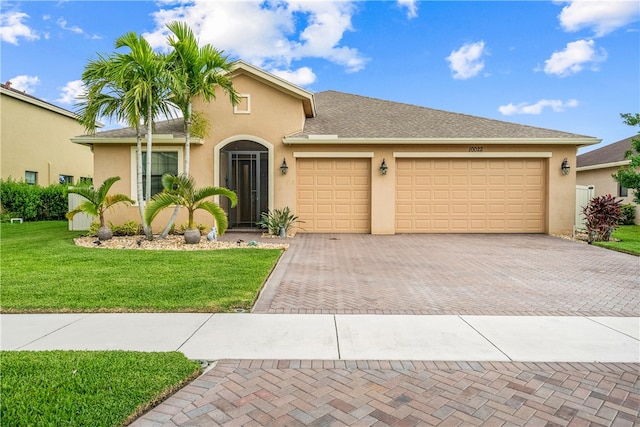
[(427, 274), (452, 274)]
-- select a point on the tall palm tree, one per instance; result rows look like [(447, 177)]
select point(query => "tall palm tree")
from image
[(105, 95), (131, 87), (195, 71), (97, 202), (181, 191), (149, 91)]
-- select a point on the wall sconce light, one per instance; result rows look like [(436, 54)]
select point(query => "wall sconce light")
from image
[(284, 168), (565, 167), (383, 168)]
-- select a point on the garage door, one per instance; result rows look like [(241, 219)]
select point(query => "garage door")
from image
[(470, 195), (333, 195)]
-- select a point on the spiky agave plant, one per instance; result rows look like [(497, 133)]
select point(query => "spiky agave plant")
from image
[(97, 202), (181, 190)]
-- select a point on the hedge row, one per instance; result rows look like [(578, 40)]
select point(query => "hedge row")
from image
[(32, 202)]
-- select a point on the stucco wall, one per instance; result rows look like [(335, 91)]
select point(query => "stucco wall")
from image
[(36, 139)]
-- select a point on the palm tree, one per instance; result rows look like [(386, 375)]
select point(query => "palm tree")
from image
[(97, 202), (105, 96), (195, 71), (181, 191), (129, 87), (148, 92)]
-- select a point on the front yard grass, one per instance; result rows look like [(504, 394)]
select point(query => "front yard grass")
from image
[(85, 388), (43, 271), (629, 236)]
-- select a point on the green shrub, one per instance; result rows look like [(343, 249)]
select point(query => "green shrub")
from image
[(184, 227), (628, 214), (274, 220), (33, 202), (54, 203), (20, 198), (129, 228)]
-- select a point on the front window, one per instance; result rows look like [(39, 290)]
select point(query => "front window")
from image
[(86, 180), (65, 179), (623, 191), (162, 162), (31, 177)]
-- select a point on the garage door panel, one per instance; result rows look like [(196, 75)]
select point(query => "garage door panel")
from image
[(470, 195), (334, 195)]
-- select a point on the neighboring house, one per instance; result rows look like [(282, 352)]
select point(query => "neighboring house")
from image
[(36, 141), (358, 164), (596, 167)]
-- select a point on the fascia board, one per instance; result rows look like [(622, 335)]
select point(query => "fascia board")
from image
[(439, 141)]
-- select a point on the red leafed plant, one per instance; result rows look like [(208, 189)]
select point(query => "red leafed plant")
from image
[(603, 215)]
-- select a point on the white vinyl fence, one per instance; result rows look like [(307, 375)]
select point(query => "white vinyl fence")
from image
[(81, 221), (584, 193)]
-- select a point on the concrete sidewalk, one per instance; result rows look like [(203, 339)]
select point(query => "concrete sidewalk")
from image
[(334, 337)]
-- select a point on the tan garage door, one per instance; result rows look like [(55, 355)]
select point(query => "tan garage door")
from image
[(465, 195), (333, 195)]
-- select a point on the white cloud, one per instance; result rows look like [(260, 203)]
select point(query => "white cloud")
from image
[(12, 28), (522, 108), (25, 83), (467, 62), (268, 34), (70, 92), (303, 76), (411, 6), (74, 28), (602, 17), (573, 58)]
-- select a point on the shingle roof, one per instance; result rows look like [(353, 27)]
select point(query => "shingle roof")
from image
[(355, 116), (611, 153)]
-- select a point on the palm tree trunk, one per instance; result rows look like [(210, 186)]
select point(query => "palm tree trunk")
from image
[(140, 190), (187, 157), (149, 151)]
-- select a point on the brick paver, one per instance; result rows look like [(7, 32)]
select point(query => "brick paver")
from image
[(404, 393), (469, 274), (427, 274)]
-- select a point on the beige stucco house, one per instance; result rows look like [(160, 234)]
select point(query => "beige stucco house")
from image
[(35, 141), (360, 165), (596, 168)]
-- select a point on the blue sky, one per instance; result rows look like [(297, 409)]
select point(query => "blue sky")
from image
[(567, 65)]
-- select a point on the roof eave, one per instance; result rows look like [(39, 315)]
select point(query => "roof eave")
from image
[(166, 139), (330, 139), (603, 165)]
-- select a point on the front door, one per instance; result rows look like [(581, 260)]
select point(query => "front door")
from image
[(248, 178)]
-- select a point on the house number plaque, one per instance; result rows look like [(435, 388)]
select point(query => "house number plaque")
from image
[(476, 149)]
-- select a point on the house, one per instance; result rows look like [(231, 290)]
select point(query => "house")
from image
[(35, 141), (596, 167), (351, 164)]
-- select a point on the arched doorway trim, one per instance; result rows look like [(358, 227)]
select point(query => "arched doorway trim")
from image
[(243, 137)]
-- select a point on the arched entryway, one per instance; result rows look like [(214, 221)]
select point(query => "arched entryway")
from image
[(244, 169)]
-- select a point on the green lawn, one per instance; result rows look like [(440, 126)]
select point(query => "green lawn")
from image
[(81, 388), (43, 271), (629, 236)]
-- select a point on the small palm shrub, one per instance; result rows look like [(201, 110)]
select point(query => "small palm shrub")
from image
[(277, 218), (603, 214)]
